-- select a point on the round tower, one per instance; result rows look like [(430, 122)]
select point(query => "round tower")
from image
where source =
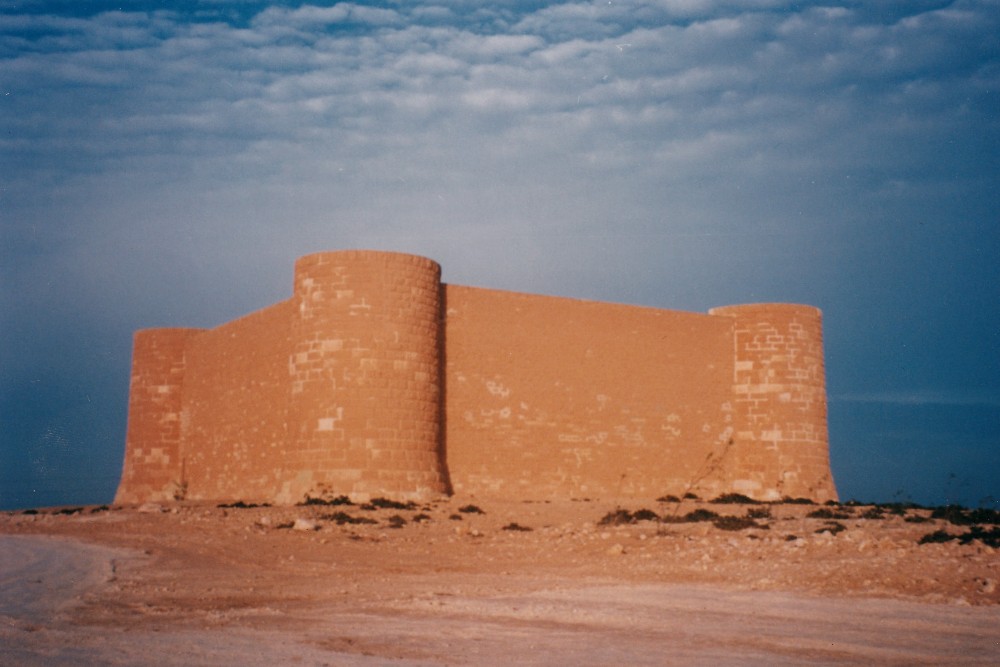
[(153, 469), (365, 401), (780, 446)]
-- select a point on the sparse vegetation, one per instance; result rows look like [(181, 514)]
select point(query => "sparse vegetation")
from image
[(832, 527), (621, 517), (975, 519), (340, 518), (734, 499), (69, 510), (700, 515), (645, 515), (990, 538), (961, 516), (513, 526), (826, 513), (470, 509), (762, 546), (385, 503), (736, 523), (618, 517), (239, 504), (339, 500), (797, 501), (937, 537)]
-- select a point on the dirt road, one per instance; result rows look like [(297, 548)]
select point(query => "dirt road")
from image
[(520, 583)]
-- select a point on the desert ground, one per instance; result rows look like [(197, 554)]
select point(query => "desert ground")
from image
[(473, 581)]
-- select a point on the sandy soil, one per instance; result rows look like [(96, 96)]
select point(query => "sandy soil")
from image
[(195, 584)]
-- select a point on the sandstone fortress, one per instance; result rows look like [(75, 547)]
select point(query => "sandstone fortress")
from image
[(376, 379)]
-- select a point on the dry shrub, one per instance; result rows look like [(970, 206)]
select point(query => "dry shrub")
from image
[(734, 499), (340, 518), (736, 523), (516, 527)]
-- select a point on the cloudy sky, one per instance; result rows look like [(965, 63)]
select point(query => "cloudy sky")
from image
[(165, 167)]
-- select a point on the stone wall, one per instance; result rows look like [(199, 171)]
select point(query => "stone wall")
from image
[(551, 397), (779, 388), (364, 376), (235, 422), (153, 467), (375, 379)]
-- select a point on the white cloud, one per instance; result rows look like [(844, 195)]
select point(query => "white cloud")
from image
[(313, 17), (494, 46), (657, 106)]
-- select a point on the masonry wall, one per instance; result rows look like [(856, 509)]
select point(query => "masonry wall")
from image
[(365, 403), (235, 421), (376, 379), (552, 397), (779, 389), (153, 466)]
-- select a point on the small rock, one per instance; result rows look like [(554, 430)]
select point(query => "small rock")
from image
[(305, 524), (616, 550), (151, 508), (264, 521)]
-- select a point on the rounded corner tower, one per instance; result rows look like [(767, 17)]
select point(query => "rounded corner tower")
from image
[(781, 442), (340, 389), (365, 398)]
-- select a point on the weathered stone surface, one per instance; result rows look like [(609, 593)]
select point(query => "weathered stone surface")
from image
[(376, 379)]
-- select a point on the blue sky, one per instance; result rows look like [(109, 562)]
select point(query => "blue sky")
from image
[(163, 164)]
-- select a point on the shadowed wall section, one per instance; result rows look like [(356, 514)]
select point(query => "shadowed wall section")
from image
[(153, 468), (374, 379)]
